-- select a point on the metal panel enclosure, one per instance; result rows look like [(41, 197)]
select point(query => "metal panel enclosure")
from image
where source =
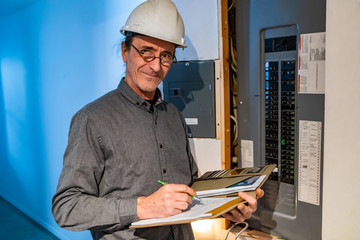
[(270, 107), (190, 87)]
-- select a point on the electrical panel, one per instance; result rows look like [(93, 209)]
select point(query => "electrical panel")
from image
[(190, 87), (271, 108), (278, 86)]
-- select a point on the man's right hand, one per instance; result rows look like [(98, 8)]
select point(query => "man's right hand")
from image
[(169, 200)]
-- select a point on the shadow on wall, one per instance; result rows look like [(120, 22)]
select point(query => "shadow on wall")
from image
[(2, 124), (6, 169), (22, 145), (3, 138)]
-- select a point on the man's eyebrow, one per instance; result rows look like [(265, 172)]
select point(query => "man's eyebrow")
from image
[(148, 48)]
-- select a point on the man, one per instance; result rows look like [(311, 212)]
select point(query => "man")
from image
[(122, 143)]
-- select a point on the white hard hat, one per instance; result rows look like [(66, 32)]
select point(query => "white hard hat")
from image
[(159, 19)]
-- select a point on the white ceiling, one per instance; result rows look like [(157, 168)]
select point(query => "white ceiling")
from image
[(8, 7)]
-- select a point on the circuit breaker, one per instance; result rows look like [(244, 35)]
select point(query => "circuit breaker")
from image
[(190, 87), (280, 117)]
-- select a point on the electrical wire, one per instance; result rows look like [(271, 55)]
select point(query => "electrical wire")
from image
[(233, 62), (233, 80), (232, 4), (240, 232), (234, 143), (233, 116)]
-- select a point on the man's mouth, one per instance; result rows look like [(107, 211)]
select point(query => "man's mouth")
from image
[(152, 75)]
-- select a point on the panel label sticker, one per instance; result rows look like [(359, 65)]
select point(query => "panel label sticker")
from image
[(311, 77), (309, 161), (191, 121)]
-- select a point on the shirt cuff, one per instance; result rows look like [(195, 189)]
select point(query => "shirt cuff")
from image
[(127, 211)]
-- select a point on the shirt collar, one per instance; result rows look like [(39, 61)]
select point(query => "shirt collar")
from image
[(133, 97)]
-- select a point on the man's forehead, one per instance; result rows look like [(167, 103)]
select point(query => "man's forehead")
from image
[(154, 43)]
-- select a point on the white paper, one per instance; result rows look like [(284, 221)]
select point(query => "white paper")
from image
[(309, 161), (195, 210), (191, 121), (247, 153), (223, 191), (311, 77)]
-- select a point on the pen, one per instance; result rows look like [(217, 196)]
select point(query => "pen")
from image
[(164, 183)]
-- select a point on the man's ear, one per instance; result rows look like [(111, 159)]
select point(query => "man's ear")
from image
[(123, 51)]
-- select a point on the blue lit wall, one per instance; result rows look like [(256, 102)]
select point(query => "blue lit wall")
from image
[(55, 57)]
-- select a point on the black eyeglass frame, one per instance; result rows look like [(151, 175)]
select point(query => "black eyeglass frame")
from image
[(141, 53)]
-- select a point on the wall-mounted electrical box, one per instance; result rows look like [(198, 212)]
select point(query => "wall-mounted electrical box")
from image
[(190, 87), (276, 117)]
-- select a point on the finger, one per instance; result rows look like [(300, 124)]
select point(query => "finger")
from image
[(179, 192), (170, 211), (252, 202), (178, 196), (183, 188), (234, 215), (244, 211), (238, 214), (192, 192), (259, 193), (232, 218), (182, 197), (181, 205), (174, 205)]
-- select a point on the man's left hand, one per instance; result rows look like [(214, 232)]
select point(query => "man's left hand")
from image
[(242, 211)]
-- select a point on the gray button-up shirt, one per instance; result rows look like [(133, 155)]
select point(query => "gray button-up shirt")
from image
[(118, 148)]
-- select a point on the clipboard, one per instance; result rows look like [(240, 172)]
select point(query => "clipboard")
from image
[(223, 179), (218, 204)]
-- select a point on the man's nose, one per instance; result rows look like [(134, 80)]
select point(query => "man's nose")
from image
[(155, 64)]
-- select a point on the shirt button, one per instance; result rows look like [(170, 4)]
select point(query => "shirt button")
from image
[(164, 170), (160, 145)]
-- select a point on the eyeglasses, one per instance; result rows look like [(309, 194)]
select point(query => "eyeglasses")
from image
[(148, 56)]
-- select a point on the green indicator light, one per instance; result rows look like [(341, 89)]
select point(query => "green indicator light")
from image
[(283, 142)]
